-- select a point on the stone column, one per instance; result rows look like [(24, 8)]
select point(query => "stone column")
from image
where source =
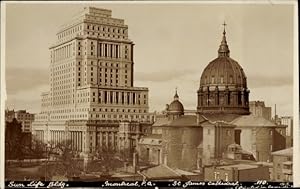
[(80, 140), (71, 138), (112, 140), (77, 138), (131, 98), (114, 97), (243, 97), (120, 97), (216, 96), (125, 97), (101, 138), (108, 49), (107, 97), (106, 135), (136, 98)]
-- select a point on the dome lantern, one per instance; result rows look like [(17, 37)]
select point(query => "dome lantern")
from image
[(223, 49)]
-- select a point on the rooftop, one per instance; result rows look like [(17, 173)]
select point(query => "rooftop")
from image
[(160, 172), (220, 117), (251, 120), (240, 166), (285, 152)]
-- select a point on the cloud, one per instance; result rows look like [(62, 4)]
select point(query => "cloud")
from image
[(162, 76), (19, 79), (259, 81), (27, 99)]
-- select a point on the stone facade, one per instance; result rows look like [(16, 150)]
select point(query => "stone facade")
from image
[(288, 121), (258, 108), (240, 172), (259, 136), (221, 128), (283, 165), (91, 85), (216, 138)]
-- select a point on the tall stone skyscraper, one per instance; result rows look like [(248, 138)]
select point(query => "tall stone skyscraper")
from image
[(92, 89)]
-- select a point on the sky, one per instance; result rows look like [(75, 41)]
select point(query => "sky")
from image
[(174, 42)]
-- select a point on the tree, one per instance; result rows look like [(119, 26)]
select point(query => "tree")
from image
[(66, 162), (13, 140), (38, 149), (105, 161)]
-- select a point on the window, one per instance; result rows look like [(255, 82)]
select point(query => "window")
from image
[(228, 132), (208, 131), (226, 176), (231, 79), (222, 79), (271, 132), (212, 79)]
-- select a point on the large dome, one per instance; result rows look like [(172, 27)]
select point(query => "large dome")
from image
[(223, 85), (223, 71)]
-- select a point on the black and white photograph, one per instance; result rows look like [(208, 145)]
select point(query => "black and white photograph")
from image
[(177, 92)]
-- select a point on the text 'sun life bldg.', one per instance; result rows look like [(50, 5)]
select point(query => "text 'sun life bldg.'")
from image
[(93, 103), (92, 100)]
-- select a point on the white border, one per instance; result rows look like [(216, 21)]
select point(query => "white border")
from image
[(2, 95), (296, 145), (296, 131)]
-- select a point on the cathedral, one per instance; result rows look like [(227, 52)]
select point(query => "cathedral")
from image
[(221, 129)]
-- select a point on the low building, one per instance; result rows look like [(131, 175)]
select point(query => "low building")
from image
[(258, 108), (283, 165), (288, 121), (236, 172), (25, 118), (269, 165), (259, 136), (150, 147)]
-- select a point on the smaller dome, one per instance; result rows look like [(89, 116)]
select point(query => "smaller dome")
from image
[(176, 106)]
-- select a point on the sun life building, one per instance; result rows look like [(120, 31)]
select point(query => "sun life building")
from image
[(92, 100)]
